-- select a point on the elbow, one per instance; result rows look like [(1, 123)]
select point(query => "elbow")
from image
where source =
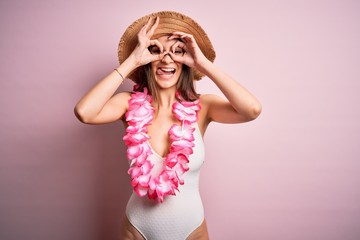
[(255, 111), (81, 115)]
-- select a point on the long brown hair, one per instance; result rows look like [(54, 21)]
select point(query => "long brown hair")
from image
[(185, 86)]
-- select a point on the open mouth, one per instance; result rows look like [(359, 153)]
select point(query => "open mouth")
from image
[(165, 71)]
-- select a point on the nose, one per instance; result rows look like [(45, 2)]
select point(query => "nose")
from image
[(167, 58)]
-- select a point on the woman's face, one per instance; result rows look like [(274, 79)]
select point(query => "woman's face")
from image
[(165, 70)]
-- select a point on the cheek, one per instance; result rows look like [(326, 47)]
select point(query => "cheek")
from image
[(153, 67), (180, 69)]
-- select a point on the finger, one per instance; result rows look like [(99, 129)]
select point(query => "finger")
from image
[(144, 28), (178, 34), (178, 44), (182, 35), (153, 28), (175, 36), (184, 39), (187, 38), (155, 42), (156, 57), (147, 25), (176, 58)]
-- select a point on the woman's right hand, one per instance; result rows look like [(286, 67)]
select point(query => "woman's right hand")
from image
[(141, 53)]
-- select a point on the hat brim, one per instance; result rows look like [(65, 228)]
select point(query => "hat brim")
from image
[(169, 22)]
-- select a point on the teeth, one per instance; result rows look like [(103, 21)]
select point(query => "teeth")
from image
[(168, 69)]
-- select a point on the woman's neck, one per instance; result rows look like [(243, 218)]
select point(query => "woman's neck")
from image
[(166, 98)]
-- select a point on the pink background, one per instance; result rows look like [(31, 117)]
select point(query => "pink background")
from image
[(291, 174)]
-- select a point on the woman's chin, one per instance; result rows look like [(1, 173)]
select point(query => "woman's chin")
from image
[(165, 77), (166, 81)]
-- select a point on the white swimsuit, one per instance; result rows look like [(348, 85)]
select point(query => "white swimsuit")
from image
[(178, 216)]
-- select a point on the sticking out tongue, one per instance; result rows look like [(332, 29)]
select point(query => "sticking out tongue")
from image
[(165, 71)]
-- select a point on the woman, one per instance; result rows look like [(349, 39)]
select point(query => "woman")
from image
[(165, 120)]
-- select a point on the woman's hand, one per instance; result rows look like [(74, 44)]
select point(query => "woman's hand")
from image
[(193, 56), (141, 53)]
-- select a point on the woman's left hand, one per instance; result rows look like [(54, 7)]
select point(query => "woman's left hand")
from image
[(193, 56)]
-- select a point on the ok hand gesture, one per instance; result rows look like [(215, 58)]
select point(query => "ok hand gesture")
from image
[(141, 53), (193, 56)]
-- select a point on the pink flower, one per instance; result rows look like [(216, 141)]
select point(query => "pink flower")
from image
[(165, 186), (182, 146), (132, 129), (134, 171), (182, 165), (152, 194), (176, 158), (140, 112), (195, 105), (143, 169), (135, 138), (185, 132), (140, 115), (143, 180), (146, 167), (184, 113), (140, 191), (172, 159), (134, 151), (137, 97), (138, 153)]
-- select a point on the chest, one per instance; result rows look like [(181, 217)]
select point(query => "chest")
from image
[(159, 132)]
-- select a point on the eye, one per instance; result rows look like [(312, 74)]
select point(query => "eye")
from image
[(179, 51), (154, 50)]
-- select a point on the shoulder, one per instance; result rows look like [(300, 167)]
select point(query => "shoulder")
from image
[(120, 104), (122, 97), (207, 97), (120, 101)]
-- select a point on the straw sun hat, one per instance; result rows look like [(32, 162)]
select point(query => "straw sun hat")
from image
[(169, 22)]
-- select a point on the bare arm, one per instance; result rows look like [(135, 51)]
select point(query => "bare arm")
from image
[(99, 104), (241, 106)]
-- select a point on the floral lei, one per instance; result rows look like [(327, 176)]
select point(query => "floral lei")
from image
[(139, 116)]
